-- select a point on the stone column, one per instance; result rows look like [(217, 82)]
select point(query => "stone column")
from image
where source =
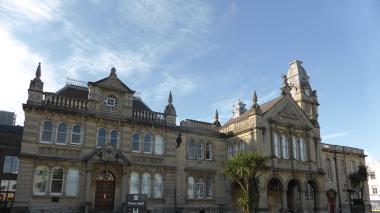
[(124, 184), (88, 185), (284, 201), (263, 201), (302, 201)]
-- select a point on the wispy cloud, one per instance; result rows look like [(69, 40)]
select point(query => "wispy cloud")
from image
[(334, 135)]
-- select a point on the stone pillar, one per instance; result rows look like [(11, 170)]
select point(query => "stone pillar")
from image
[(263, 201), (302, 201), (284, 201), (88, 185), (124, 184)]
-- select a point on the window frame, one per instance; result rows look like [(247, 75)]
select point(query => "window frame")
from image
[(97, 137), (329, 169), (58, 132), (69, 182), (158, 184), (150, 142), (43, 131), (191, 149), (284, 146), (199, 150), (134, 142), (157, 144), (208, 151), (190, 195), (276, 145), (113, 138), (52, 179), (41, 167), (146, 184), (80, 134), (137, 184)]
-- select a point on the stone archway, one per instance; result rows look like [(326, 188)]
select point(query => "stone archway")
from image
[(275, 189), (294, 196), (105, 191), (311, 196)]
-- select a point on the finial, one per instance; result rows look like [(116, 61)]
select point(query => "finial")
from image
[(170, 99), (38, 71), (113, 72), (216, 115), (254, 97)]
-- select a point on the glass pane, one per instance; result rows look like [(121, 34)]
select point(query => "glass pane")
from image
[(72, 182), (58, 173), (62, 133), (4, 185), (134, 183), (56, 186), (191, 148), (101, 137), (147, 143), (40, 179), (159, 145), (157, 186), (146, 184), (7, 164), (136, 142), (15, 165), (114, 138), (76, 134)]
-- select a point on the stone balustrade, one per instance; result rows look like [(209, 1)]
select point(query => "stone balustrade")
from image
[(149, 116), (65, 102), (198, 124)]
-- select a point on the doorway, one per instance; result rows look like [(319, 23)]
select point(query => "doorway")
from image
[(105, 191)]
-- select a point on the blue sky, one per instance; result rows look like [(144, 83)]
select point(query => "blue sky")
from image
[(208, 53)]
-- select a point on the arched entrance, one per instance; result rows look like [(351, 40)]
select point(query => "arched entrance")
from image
[(274, 195), (294, 196), (331, 195), (311, 196), (105, 191)]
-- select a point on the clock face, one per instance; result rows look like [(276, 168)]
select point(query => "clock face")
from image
[(110, 102)]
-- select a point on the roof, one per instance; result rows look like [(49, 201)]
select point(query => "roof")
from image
[(73, 91), (11, 129), (140, 105), (265, 107)]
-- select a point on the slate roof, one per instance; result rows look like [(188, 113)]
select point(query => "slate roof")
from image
[(73, 91), (265, 107), (78, 92)]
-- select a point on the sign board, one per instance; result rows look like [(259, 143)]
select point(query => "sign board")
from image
[(136, 203)]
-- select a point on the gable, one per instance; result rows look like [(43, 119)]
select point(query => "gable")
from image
[(113, 83), (287, 111)]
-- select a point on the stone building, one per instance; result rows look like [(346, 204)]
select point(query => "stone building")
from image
[(374, 184), (89, 146)]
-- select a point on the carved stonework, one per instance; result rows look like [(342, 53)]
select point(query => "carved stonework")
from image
[(52, 151), (147, 160)]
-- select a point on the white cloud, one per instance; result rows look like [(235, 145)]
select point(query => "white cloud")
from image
[(370, 159), (17, 69), (334, 135)]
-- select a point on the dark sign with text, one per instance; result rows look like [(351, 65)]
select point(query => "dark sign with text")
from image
[(136, 203)]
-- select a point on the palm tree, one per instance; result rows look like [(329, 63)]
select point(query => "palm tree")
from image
[(358, 180), (242, 169)]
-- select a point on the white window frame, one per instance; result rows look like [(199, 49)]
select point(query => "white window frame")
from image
[(199, 150), (296, 148), (146, 184), (74, 183), (117, 138), (159, 145), (150, 142), (276, 145), (302, 145), (97, 137), (157, 186), (80, 134), (191, 150), (42, 132), (133, 142), (46, 181), (51, 181), (190, 187), (284, 146), (66, 136), (137, 184), (208, 149), (329, 169)]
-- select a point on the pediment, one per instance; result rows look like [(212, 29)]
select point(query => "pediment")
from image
[(287, 111), (115, 84), (108, 154)]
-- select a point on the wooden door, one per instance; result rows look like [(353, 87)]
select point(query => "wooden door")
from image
[(104, 195)]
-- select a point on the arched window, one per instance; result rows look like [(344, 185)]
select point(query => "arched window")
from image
[(159, 145), (309, 193), (208, 187), (114, 138), (41, 177), (136, 142), (200, 188), (62, 133), (157, 186), (146, 184), (102, 135), (56, 181), (72, 183), (76, 135), (148, 143), (190, 187), (191, 148), (47, 132), (200, 154), (134, 183), (276, 146), (295, 148), (209, 151), (328, 169), (285, 146), (302, 149)]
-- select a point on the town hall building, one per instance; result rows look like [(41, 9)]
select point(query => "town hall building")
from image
[(97, 147)]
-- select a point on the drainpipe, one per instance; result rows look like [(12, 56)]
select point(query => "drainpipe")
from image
[(337, 183)]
